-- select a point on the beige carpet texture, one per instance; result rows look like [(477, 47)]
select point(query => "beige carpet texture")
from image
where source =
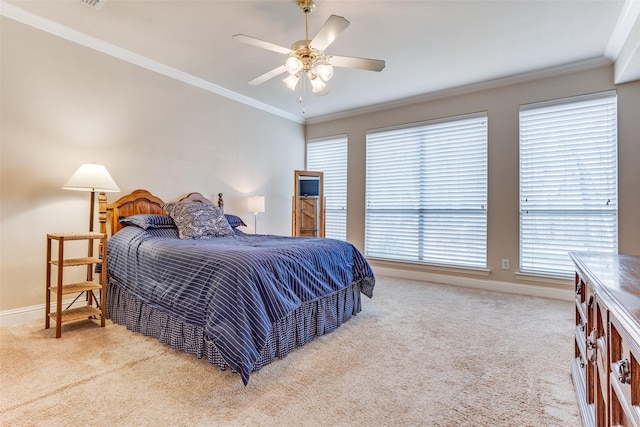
[(419, 354)]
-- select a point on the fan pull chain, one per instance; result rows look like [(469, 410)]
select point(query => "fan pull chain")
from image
[(301, 98), (304, 110)]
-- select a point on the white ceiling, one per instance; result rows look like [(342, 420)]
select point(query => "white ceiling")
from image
[(429, 46)]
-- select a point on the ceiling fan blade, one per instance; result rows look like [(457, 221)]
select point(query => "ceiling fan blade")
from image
[(261, 43), (359, 63), (329, 32), (268, 75)]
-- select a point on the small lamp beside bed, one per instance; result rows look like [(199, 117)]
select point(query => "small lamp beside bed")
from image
[(255, 204), (92, 177)]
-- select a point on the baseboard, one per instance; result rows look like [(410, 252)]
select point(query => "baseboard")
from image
[(559, 293), (27, 314)]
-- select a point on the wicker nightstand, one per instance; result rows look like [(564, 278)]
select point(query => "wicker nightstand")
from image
[(93, 307)]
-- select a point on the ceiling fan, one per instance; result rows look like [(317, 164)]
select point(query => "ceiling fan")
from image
[(308, 56)]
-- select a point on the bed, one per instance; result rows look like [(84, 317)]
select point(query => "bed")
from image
[(240, 300)]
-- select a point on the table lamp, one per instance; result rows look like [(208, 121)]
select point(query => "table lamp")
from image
[(255, 204), (92, 177)]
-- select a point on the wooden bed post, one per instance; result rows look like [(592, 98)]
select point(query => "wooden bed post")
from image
[(102, 218)]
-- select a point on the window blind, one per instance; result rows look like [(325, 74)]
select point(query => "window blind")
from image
[(568, 181), (329, 156), (426, 192)]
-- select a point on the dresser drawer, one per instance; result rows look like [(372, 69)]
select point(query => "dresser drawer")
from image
[(624, 377)]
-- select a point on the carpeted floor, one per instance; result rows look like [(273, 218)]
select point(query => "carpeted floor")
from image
[(419, 354)]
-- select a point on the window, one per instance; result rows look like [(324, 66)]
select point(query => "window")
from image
[(329, 156), (426, 192), (568, 181)]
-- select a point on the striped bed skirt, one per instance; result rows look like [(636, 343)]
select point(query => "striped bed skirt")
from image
[(313, 318)]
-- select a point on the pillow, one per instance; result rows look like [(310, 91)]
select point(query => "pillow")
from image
[(146, 221), (197, 220), (234, 221)]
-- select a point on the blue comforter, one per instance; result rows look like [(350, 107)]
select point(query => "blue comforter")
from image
[(234, 287)]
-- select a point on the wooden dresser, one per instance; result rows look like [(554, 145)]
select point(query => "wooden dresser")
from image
[(606, 368)]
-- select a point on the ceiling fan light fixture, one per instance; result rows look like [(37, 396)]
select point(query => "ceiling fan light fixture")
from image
[(307, 56), (316, 83), (291, 81), (324, 71), (293, 65)]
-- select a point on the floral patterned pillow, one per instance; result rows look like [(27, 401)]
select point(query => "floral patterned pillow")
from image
[(196, 220)]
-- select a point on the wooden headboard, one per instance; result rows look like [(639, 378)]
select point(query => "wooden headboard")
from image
[(197, 197), (138, 202)]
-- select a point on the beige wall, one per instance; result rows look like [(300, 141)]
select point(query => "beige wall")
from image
[(64, 105), (502, 105)]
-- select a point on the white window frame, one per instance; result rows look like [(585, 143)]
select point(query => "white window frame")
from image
[(329, 155), (568, 181), (426, 192)]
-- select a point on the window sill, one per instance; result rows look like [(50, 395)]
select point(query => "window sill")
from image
[(476, 271)]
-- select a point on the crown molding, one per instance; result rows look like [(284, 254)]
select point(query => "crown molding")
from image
[(20, 15), (627, 19), (624, 44)]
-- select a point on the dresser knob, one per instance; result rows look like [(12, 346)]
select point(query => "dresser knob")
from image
[(592, 344), (621, 368)]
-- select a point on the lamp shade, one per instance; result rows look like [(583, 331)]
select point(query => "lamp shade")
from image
[(91, 177), (316, 83), (293, 65), (291, 81), (325, 71), (255, 204)]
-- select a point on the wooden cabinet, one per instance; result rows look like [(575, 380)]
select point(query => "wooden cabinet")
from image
[(308, 214), (94, 306), (605, 370)]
